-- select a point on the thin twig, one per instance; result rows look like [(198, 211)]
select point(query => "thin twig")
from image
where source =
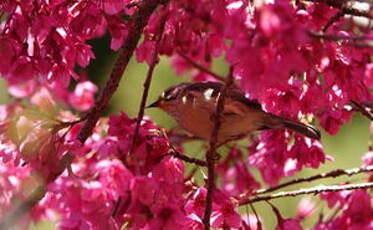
[(173, 152), (347, 9), (339, 37), (185, 158), (363, 110), (211, 153), (334, 173), (332, 215), (139, 20), (201, 68), (116, 206), (258, 223), (357, 41), (314, 190), (332, 20), (367, 104), (191, 174), (149, 75)]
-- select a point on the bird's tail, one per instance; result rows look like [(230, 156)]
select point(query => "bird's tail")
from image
[(276, 122)]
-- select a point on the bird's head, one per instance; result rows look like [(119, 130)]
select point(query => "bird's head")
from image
[(168, 100)]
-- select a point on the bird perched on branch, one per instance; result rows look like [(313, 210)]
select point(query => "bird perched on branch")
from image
[(193, 106)]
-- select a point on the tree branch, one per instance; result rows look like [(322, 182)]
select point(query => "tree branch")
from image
[(154, 62), (314, 190), (258, 223), (332, 20), (359, 41), (201, 68), (363, 109), (333, 174), (185, 158), (210, 159), (347, 9), (211, 153), (340, 37)]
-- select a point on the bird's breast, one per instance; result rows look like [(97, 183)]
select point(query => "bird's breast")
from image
[(195, 115)]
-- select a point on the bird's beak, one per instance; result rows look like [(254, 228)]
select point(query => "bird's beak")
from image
[(153, 105)]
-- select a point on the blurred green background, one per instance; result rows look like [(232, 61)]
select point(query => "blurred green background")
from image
[(347, 147)]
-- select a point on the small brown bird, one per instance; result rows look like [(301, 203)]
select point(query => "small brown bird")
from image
[(193, 105)]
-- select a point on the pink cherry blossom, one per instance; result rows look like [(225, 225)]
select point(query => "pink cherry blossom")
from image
[(197, 203), (22, 90), (271, 151), (12, 178), (357, 213), (306, 208), (335, 198), (168, 217), (226, 216), (112, 6), (83, 97), (291, 224), (332, 120), (144, 189), (236, 176)]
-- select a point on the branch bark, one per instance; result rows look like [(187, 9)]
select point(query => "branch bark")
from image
[(185, 158), (210, 159), (333, 174), (314, 190), (201, 68), (211, 153), (339, 37), (332, 20), (346, 8), (147, 82), (363, 109)]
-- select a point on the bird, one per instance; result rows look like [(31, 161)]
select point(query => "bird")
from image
[(193, 106)]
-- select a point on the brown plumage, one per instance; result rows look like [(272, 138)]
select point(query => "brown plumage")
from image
[(192, 105)]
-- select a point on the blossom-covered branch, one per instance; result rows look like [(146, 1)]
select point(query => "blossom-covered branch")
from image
[(138, 21)]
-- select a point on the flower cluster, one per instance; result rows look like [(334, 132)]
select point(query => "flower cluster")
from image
[(144, 189), (285, 159), (45, 40), (356, 208)]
